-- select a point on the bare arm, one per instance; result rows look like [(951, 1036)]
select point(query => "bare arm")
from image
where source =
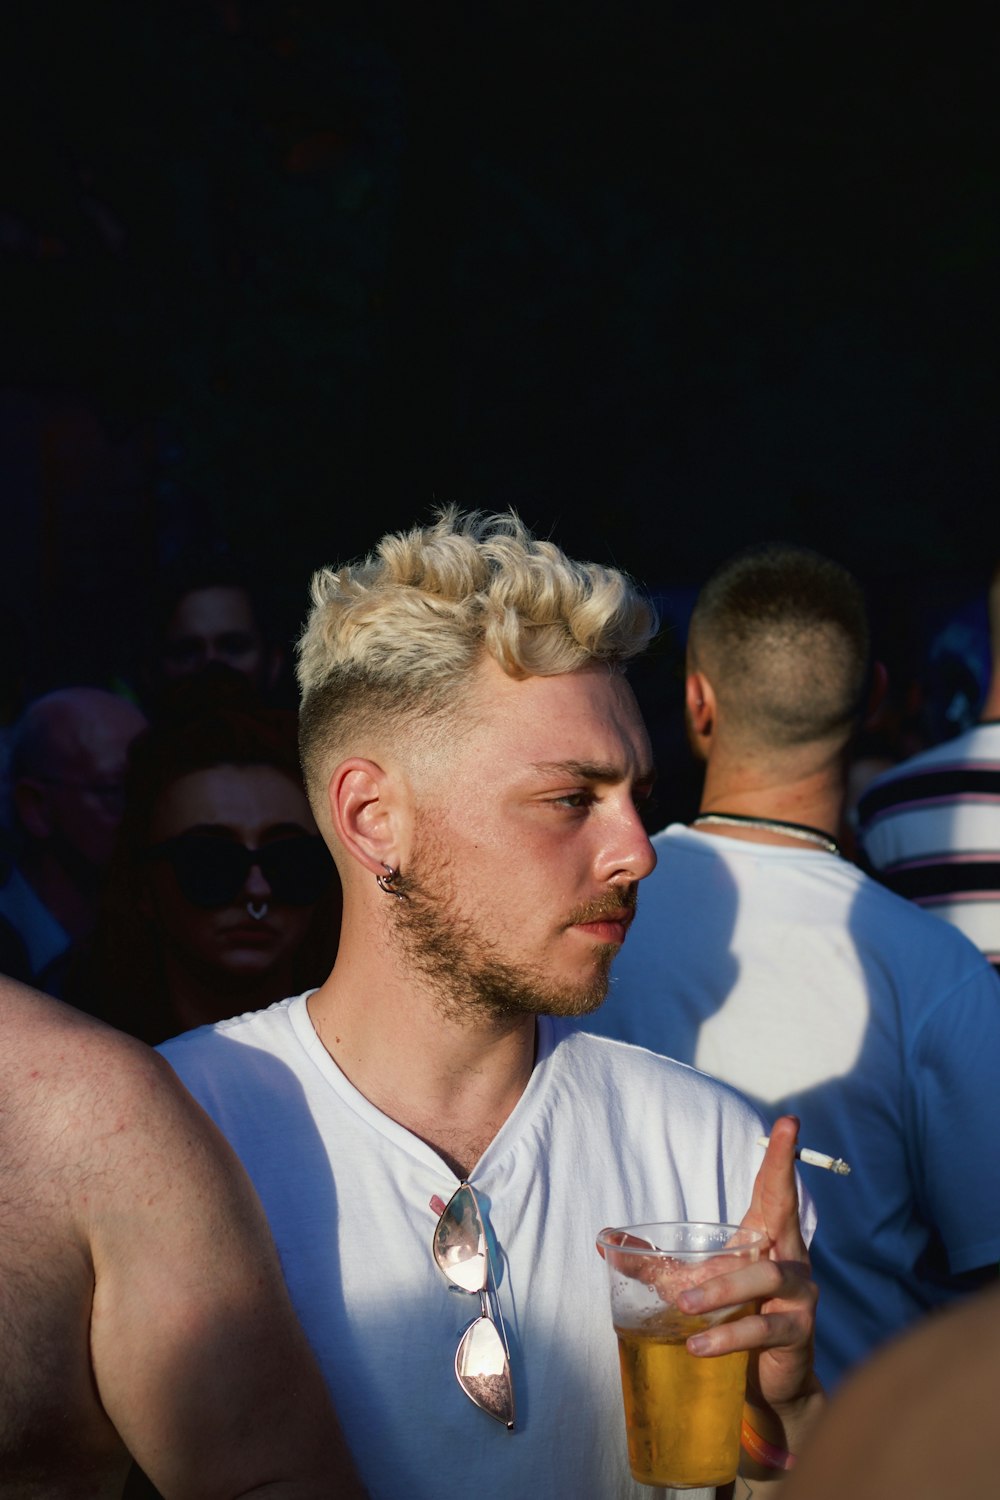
[(197, 1354)]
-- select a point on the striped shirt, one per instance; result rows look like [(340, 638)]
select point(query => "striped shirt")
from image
[(930, 830)]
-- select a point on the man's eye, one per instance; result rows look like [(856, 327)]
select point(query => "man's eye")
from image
[(575, 799)]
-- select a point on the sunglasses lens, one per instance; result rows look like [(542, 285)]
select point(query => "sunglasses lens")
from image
[(459, 1242), (210, 872), (484, 1372), (213, 872), (298, 870), (481, 1363)]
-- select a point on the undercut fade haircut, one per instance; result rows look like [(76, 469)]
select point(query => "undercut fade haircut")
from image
[(393, 639), (782, 634)]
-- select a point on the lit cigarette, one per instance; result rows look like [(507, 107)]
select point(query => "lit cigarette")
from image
[(815, 1158)]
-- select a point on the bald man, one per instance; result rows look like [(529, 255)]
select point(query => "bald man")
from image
[(761, 955), (65, 778)]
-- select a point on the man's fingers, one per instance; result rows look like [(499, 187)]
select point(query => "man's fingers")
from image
[(774, 1206), (754, 1283), (786, 1297), (757, 1331)]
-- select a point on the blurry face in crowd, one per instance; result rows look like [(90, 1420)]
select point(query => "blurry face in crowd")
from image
[(75, 801), (215, 625), (221, 810)]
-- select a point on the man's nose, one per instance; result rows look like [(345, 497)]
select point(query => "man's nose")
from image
[(631, 855)]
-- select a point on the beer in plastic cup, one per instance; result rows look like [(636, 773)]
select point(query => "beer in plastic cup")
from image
[(682, 1412)]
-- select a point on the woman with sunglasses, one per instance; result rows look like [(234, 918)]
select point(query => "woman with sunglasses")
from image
[(221, 897)]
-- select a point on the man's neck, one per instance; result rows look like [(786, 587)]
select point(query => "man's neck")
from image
[(814, 800), (450, 1082)]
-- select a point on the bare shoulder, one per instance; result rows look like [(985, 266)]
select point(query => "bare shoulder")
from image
[(100, 1109), (99, 1146), (60, 1072), (43, 1036), (65, 1081), (152, 1314)]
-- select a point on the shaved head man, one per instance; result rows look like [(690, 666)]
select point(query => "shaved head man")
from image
[(764, 956)]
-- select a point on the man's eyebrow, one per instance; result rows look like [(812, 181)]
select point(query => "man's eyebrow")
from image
[(581, 770)]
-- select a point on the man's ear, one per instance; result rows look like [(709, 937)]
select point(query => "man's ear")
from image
[(876, 693), (365, 813), (31, 804), (699, 706)]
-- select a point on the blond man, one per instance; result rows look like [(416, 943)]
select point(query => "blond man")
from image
[(475, 759)]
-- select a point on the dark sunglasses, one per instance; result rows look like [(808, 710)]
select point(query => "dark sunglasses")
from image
[(482, 1360), (213, 871)]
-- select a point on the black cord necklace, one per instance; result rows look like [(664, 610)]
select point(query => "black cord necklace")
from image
[(801, 831)]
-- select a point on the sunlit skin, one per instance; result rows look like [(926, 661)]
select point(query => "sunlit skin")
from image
[(525, 824), (525, 860), (532, 820), (223, 950)]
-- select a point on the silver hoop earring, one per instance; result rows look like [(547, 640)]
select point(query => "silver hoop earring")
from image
[(385, 882), (257, 912)]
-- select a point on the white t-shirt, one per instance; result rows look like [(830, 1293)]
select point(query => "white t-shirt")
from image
[(807, 985), (603, 1135)]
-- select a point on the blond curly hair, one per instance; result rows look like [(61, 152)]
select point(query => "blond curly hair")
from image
[(394, 638)]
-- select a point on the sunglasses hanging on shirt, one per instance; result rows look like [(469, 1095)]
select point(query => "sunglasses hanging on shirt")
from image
[(212, 871), (482, 1360)]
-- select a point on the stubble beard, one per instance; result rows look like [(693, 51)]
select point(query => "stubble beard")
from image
[(467, 976)]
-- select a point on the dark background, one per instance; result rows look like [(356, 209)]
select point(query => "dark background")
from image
[(669, 278)]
